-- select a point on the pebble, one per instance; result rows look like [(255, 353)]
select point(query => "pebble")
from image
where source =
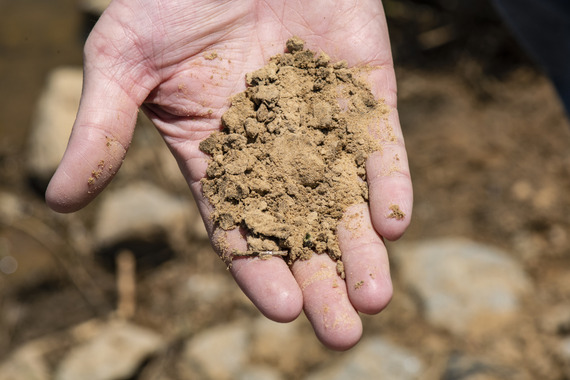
[(462, 285), (116, 352), (217, 353), (269, 338), (373, 358), (53, 120), (26, 363), (139, 210)]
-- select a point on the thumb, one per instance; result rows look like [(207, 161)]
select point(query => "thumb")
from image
[(99, 140)]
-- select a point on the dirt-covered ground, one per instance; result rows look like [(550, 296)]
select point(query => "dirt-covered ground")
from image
[(489, 150)]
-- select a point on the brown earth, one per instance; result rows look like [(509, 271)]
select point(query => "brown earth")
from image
[(291, 156)]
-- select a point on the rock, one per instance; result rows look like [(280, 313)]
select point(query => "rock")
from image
[(116, 352), (218, 353), (53, 120), (269, 338), (26, 363), (373, 358), (463, 286), (142, 218), (463, 367)]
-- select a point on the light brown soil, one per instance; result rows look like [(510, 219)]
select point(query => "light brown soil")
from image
[(291, 156)]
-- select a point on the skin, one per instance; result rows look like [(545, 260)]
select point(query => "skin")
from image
[(158, 56)]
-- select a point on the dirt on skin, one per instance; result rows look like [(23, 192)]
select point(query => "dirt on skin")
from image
[(291, 156)]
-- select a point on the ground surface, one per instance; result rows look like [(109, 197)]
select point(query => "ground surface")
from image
[(488, 144)]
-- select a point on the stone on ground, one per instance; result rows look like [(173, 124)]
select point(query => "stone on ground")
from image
[(116, 352), (217, 353), (373, 358), (462, 285), (139, 210), (26, 363), (53, 120)]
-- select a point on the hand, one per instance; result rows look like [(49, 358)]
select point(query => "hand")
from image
[(181, 60)]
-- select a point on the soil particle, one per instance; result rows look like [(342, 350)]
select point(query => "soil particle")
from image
[(358, 285), (295, 44), (291, 155), (211, 55), (396, 213), (95, 174), (340, 269)]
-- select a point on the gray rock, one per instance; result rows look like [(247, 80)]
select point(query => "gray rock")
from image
[(116, 352), (26, 363), (462, 285), (218, 353), (53, 120), (373, 358), (139, 210), (269, 339)]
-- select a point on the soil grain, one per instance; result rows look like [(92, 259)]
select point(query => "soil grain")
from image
[(291, 156)]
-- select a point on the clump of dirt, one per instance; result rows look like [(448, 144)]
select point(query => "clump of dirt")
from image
[(291, 156)]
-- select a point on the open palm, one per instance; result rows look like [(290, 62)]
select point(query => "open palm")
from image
[(180, 61)]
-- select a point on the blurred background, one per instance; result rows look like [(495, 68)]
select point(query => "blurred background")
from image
[(129, 287)]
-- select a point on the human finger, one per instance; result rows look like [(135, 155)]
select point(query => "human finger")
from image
[(390, 190), (365, 260), (101, 134), (326, 304), (387, 170), (266, 281)]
